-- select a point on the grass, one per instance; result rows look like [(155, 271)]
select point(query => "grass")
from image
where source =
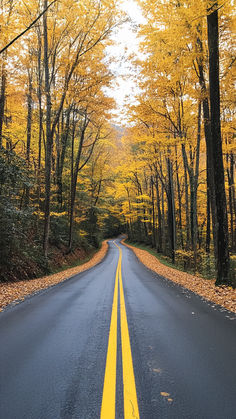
[(206, 269), (207, 273)]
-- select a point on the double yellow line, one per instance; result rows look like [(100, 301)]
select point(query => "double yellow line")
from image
[(108, 409)]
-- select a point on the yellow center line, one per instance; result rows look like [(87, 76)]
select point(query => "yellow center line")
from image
[(131, 410), (108, 409), (130, 395)]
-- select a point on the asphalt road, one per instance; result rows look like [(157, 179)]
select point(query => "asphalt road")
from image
[(54, 349)]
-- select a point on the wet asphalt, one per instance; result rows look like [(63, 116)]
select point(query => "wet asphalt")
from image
[(53, 348)]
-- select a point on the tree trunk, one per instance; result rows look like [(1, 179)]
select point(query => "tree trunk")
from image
[(230, 173), (186, 197), (165, 238), (171, 210), (218, 167), (48, 156), (40, 114), (28, 129), (179, 200), (208, 227), (29, 118), (209, 145), (153, 215), (2, 100), (194, 189), (159, 215), (61, 152), (74, 173), (39, 94)]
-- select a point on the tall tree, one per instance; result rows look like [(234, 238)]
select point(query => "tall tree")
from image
[(49, 139), (218, 166)]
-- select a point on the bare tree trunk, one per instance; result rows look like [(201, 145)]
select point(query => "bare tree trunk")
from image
[(194, 189), (218, 167), (165, 238), (186, 197), (74, 178), (29, 117), (48, 157), (61, 152), (2, 99), (209, 147), (230, 174), (39, 95), (71, 205), (193, 173), (179, 200), (153, 215), (29, 129), (40, 113), (160, 221), (209, 200), (171, 210)]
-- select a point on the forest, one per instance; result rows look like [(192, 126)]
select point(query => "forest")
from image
[(70, 176)]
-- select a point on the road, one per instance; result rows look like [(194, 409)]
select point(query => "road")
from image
[(118, 342)]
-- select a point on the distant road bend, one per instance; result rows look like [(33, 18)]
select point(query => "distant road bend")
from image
[(118, 342)]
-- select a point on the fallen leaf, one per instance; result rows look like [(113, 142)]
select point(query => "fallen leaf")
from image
[(164, 394), (224, 296), (15, 292)]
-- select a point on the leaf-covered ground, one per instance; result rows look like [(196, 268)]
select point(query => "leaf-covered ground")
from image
[(17, 291), (224, 296)]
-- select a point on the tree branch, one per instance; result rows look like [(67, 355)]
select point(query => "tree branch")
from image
[(27, 29)]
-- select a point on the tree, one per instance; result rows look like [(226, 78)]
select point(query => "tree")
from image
[(218, 166)]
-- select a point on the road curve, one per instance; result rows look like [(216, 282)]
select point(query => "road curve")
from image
[(164, 351)]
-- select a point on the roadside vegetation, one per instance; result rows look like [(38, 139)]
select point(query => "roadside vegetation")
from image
[(206, 269), (13, 292), (220, 298)]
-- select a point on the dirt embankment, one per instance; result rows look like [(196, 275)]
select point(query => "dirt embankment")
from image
[(224, 296), (17, 291)]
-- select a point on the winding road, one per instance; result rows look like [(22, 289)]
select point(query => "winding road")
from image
[(117, 341)]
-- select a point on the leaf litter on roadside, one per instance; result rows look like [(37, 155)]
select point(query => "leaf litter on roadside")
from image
[(14, 292), (224, 296)]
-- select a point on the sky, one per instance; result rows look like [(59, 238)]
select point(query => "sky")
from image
[(125, 43)]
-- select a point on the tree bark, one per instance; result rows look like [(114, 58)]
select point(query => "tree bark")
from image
[(186, 197), (39, 95), (48, 156), (61, 152), (218, 167), (74, 173), (230, 173), (209, 144), (195, 186), (171, 210), (29, 130), (2, 100), (40, 112), (179, 199), (208, 226), (29, 116), (153, 215), (159, 215)]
